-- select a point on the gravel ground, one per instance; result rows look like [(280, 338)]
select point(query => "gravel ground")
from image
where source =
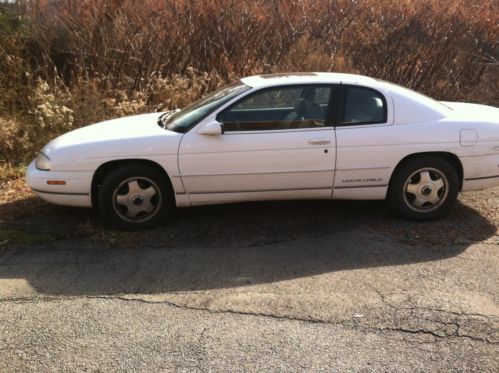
[(281, 286)]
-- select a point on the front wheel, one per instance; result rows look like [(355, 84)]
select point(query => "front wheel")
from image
[(423, 188), (135, 197)]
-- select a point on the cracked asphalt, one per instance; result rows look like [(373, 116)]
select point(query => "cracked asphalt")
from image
[(284, 286)]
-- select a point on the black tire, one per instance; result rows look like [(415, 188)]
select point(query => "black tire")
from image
[(135, 197), (423, 188)]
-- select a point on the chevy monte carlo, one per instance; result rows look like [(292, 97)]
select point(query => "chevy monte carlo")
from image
[(275, 137)]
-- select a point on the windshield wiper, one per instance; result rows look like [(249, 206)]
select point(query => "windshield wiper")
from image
[(162, 118)]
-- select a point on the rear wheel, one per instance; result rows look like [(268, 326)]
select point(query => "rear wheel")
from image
[(135, 197), (423, 188)]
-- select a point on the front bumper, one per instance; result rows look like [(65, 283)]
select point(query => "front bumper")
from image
[(76, 192)]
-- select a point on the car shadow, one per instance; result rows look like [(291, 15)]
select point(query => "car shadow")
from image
[(67, 251)]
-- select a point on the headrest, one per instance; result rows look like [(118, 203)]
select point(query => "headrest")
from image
[(301, 108)]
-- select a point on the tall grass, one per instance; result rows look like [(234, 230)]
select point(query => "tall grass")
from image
[(68, 63)]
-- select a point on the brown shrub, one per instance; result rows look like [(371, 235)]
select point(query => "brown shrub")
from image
[(67, 63), (10, 151), (124, 44)]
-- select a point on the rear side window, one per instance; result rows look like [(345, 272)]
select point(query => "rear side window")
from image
[(363, 106)]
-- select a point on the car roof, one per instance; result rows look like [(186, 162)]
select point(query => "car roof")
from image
[(268, 80), (413, 106)]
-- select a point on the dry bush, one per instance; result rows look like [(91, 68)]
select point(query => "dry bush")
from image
[(10, 151), (22, 136), (67, 63), (15, 77), (443, 49), (179, 90), (49, 110), (159, 94)]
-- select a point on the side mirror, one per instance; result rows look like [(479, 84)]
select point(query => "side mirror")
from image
[(213, 129)]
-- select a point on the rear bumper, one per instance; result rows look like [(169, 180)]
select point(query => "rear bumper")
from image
[(76, 192)]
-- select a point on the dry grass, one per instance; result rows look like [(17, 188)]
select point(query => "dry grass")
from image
[(14, 190)]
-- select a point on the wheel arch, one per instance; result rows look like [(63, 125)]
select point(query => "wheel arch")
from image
[(107, 167), (449, 157)]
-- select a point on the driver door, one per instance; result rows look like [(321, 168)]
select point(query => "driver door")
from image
[(274, 146)]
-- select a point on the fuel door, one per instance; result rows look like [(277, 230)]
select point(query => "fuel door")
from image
[(469, 137)]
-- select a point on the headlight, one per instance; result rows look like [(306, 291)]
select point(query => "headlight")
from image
[(42, 162)]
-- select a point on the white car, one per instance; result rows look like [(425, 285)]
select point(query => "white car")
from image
[(274, 137)]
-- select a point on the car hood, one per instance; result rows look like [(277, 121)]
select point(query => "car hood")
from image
[(138, 135)]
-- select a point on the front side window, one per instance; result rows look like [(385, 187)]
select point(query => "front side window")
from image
[(279, 108), (363, 106)]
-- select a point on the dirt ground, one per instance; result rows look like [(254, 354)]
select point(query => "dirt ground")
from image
[(281, 286)]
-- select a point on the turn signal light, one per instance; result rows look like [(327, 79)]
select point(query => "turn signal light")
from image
[(56, 182)]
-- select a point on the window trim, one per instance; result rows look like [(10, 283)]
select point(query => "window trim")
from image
[(328, 121), (342, 102)]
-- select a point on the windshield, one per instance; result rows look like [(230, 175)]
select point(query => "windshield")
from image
[(182, 121)]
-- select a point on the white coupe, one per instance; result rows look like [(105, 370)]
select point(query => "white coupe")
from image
[(274, 137)]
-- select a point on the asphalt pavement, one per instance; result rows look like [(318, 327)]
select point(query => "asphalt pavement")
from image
[(285, 286)]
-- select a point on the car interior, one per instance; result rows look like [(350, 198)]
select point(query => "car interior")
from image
[(288, 109), (303, 107)]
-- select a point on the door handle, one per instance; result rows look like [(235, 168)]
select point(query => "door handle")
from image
[(319, 140)]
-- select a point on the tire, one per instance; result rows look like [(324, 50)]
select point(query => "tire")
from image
[(135, 197), (423, 188)]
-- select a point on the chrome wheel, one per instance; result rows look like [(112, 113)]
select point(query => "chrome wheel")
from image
[(137, 199), (426, 189)]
